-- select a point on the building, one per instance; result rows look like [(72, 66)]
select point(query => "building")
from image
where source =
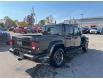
[(87, 22), (72, 21), (91, 22)]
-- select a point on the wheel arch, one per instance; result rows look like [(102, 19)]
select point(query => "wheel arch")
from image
[(52, 45), (84, 40)]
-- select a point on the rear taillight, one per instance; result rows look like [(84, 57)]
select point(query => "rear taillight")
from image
[(11, 42), (33, 45)]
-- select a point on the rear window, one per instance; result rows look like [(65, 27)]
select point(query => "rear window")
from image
[(68, 30), (52, 29)]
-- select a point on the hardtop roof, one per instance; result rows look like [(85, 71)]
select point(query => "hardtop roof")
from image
[(76, 25)]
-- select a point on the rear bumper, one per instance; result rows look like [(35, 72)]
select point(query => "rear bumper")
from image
[(41, 58), (11, 50)]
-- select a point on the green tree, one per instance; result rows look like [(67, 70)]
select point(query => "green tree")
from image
[(42, 22), (49, 19), (2, 25), (9, 22), (22, 24)]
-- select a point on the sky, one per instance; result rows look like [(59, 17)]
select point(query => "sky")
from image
[(60, 10)]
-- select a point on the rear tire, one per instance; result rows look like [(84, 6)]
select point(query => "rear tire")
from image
[(57, 57)]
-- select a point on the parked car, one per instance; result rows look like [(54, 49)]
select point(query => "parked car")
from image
[(85, 30), (101, 31), (37, 28), (55, 42), (11, 28), (29, 29), (4, 37), (93, 31), (32, 29), (20, 30)]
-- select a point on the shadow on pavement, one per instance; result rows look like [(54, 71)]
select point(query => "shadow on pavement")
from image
[(41, 71), (45, 70)]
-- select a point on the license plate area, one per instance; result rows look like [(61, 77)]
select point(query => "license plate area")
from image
[(19, 43)]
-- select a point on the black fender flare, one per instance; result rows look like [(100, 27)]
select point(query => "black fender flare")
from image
[(53, 44)]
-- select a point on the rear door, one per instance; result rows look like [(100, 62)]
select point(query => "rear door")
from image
[(69, 40), (77, 36)]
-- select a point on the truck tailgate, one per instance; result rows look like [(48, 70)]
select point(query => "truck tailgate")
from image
[(21, 41)]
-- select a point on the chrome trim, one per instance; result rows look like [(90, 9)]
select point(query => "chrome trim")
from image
[(11, 49), (28, 55)]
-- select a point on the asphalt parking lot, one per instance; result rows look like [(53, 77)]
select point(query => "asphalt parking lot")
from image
[(83, 65)]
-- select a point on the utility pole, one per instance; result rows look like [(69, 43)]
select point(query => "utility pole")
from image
[(82, 15), (70, 20), (33, 16)]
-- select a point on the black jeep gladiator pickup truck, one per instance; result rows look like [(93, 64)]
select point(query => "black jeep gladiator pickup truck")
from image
[(53, 44)]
